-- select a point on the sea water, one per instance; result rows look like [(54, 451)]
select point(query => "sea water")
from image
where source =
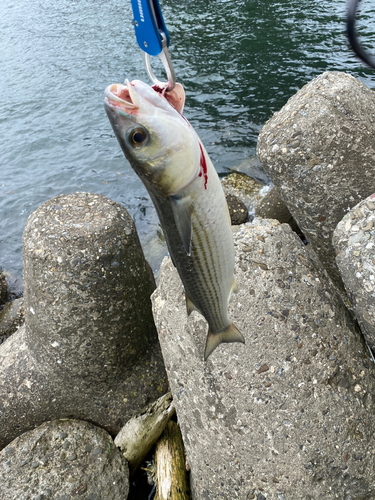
[(239, 62)]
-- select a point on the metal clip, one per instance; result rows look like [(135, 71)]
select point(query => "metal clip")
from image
[(153, 38), (167, 63)]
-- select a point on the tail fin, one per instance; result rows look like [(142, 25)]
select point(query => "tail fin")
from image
[(231, 334)]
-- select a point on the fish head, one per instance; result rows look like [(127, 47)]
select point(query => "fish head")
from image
[(157, 140)]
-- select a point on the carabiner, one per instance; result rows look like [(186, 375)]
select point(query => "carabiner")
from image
[(167, 63), (153, 38)]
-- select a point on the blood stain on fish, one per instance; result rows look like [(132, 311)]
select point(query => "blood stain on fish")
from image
[(203, 167)]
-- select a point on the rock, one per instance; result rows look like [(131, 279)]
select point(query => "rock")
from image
[(237, 210), (318, 151), (3, 289), (141, 432), (63, 460), (14, 284), (242, 187), (89, 347), (263, 201), (290, 413), (252, 167), (12, 316), (354, 240), (271, 206)]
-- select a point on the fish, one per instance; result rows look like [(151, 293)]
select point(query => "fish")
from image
[(167, 155)]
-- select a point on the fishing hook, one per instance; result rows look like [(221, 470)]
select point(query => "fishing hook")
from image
[(352, 36)]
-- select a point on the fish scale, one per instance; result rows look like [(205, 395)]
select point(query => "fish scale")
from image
[(167, 155)]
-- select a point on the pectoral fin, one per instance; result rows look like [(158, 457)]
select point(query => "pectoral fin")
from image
[(231, 334), (182, 209)]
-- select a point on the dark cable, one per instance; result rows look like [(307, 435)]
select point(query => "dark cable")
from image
[(352, 36)]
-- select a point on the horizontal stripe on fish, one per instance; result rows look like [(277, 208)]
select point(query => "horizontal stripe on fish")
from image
[(167, 155)]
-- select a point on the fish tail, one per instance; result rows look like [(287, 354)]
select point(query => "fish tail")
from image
[(231, 334)]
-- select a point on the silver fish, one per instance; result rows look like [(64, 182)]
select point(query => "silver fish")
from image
[(168, 156)]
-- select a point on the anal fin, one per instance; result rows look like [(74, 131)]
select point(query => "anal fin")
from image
[(231, 334), (190, 306), (234, 288)]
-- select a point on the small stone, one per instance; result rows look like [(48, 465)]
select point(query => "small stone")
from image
[(237, 210), (369, 225), (263, 368)]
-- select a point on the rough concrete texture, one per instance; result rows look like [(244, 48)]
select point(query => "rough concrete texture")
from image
[(271, 206), (319, 152), (290, 414), (89, 348), (354, 240), (63, 460), (12, 316)]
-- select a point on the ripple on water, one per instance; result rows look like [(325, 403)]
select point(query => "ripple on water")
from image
[(239, 62)]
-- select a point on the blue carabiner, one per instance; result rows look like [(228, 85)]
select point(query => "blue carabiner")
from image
[(148, 23), (152, 37)]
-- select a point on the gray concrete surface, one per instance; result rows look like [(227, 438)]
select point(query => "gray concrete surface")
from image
[(354, 241), (288, 415), (89, 347), (319, 152), (63, 460)]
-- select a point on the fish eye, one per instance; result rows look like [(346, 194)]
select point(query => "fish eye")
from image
[(138, 136)]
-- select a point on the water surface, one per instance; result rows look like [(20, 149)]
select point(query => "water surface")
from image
[(239, 62)]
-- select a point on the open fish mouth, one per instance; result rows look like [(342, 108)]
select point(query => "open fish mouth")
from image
[(129, 97), (118, 95)]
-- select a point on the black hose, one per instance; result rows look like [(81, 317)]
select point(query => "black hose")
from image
[(352, 36)]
